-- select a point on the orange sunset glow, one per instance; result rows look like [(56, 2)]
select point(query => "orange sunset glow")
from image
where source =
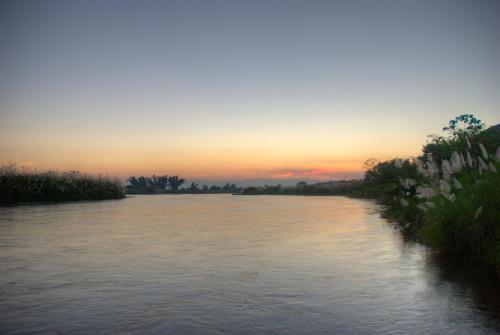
[(244, 103)]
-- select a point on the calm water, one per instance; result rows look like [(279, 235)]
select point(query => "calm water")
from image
[(228, 264)]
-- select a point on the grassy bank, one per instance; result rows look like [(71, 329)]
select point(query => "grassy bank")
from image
[(18, 185), (449, 196)]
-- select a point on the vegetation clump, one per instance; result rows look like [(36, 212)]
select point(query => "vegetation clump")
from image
[(173, 185), (19, 185), (340, 187), (154, 184), (450, 195)]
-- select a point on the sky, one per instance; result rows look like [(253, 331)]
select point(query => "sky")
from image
[(239, 90)]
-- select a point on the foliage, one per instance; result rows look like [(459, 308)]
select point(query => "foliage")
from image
[(470, 224), (465, 125), (147, 184), (175, 182), (453, 200), (153, 184), (172, 184), (341, 187), (459, 133), (449, 196), (27, 185)]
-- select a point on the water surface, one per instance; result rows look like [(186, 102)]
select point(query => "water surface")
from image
[(218, 264)]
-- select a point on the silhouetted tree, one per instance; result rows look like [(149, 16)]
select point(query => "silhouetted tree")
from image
[(152, 181), (175, 182), (461, 131), (133, 181), (215, 188), (158, 184), (162, 182), (142, 181), (464, 125), (370, 163)]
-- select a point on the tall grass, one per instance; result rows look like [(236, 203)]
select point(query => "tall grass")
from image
[(453, 201), (470, 223), (20, 184), (455, 205)]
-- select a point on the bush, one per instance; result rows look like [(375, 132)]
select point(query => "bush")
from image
[(471, 223), (453, 201)]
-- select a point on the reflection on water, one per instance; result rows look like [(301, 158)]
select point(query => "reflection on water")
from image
[(468, 279), (228, 264)]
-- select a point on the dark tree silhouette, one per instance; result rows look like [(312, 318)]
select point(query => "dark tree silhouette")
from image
[(133, 181), (158, 184), (301, 184), (175, 182), (162, 182), (215, 188), (143, 182), (152, 181)]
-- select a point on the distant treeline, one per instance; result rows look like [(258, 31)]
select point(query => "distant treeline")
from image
[(19, 185), (341, 187), (173, 184)]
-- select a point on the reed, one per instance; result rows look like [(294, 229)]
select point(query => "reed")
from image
[(453, 201), (20, 184)]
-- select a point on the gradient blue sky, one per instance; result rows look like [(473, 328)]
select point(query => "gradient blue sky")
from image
[(239, 89)]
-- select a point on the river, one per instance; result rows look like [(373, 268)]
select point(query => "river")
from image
[(222, 264)]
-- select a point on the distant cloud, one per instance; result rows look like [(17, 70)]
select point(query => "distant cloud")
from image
[(28, 163), (283, 175), (289, 173), (318, 173)]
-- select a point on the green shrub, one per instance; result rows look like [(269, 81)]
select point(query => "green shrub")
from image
[(453, 202), (471, 223)]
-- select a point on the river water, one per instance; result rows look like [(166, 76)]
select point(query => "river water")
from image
[(222, 264)]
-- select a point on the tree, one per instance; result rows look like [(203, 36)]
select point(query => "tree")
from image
[(390, 172), (463, 125), (175, 182), (133, 181), (142, 181), (370, 163), (460, 133), (162, 182), (152, 181), (301, 184), (215, 188)]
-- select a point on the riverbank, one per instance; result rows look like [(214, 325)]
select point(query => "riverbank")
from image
[(448, 197), (21, 185)]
